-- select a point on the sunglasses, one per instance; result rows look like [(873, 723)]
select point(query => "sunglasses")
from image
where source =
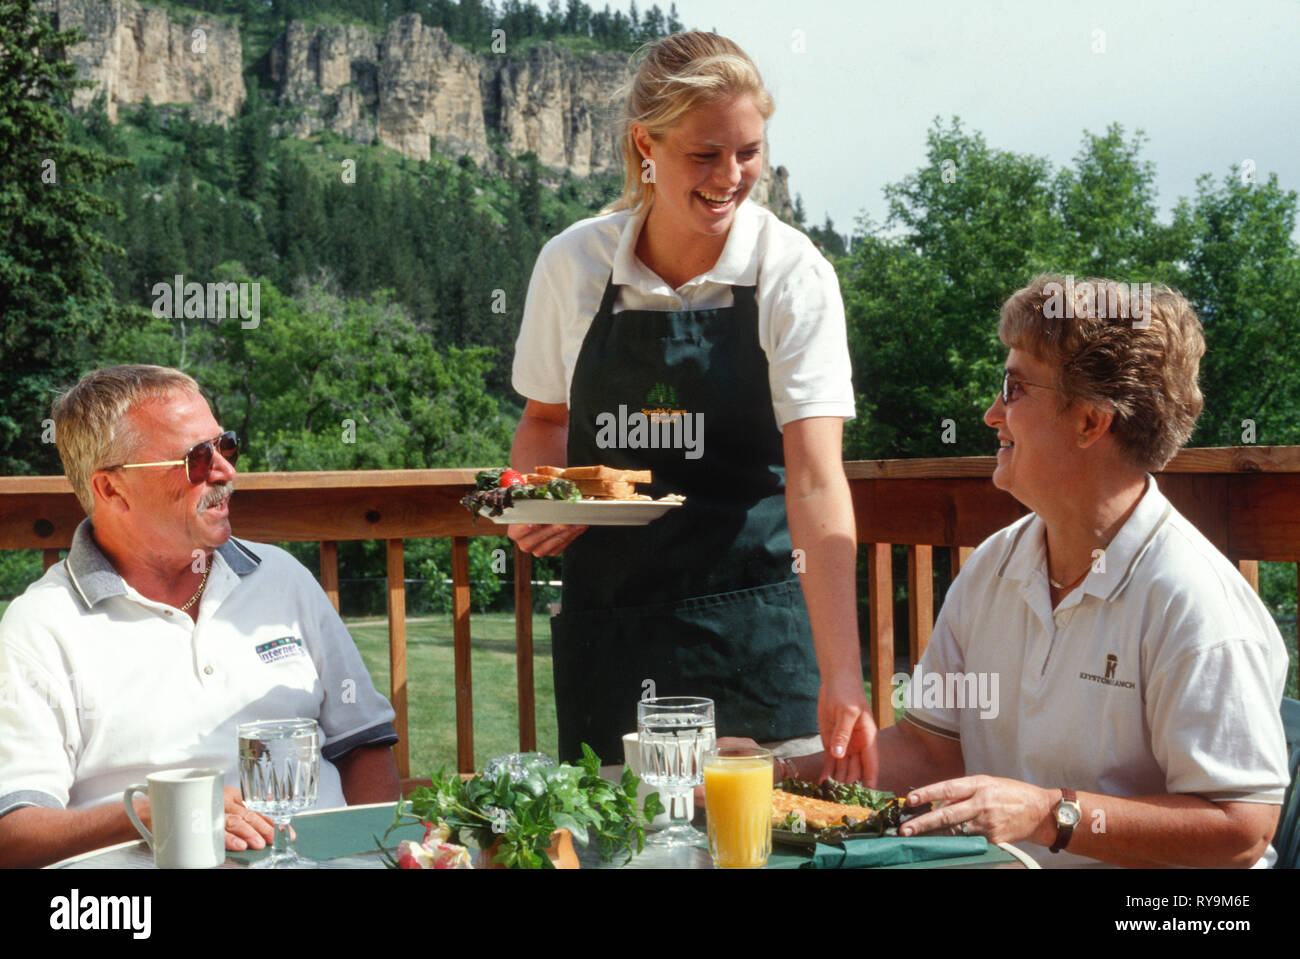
[(1013, 388), (198, 461)]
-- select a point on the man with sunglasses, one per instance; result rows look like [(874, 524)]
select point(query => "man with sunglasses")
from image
[(160, 633)]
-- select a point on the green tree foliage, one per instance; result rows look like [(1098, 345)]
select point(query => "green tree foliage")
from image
[(1241, 268), (54, 297), (467, 22), (974, 224)]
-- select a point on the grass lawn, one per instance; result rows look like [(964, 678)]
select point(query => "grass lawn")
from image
[(431, 693)]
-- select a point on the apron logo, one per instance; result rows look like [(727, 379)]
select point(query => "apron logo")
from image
[(285, 647), (659, 425)]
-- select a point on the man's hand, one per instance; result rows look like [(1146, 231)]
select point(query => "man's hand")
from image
[(848, 733), (547, 540), (245, 829), (1002, 810)]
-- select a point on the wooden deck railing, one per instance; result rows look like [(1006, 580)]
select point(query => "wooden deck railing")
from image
[(1246, 500)]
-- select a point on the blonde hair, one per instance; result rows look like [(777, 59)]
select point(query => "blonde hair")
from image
[(674, 76), (91, 428), (1139, 354)]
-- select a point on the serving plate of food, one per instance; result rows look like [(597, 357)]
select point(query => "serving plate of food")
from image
[(575, 496), (806, 813)]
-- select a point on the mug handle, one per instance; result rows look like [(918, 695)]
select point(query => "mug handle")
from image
[(130, 811)]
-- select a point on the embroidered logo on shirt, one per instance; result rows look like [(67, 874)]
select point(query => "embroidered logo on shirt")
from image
[(277, 649), (1112, 661)]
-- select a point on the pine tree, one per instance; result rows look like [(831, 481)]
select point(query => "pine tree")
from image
[(54, 296)]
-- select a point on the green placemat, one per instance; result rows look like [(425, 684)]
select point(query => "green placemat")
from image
[(342, 832)]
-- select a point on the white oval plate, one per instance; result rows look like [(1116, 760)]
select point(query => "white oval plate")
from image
[(617, 512)]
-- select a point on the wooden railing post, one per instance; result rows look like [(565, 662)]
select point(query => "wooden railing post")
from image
[(48, 558), (329, 570), (1250, 569), (920, 600), (880, 577), (396, 571), (524, 650), (959, 556), (463, 674)]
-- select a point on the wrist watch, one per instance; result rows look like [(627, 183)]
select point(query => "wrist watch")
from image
[(1067, 813)]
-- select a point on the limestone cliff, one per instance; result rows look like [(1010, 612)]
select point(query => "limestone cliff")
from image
[(399, 88), (133, 54)]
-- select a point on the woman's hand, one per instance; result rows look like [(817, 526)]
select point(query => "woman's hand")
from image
[(549, 540), (1002, 810), (848, 733)]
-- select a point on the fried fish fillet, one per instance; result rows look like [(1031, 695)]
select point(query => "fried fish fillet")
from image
[(817, 813)]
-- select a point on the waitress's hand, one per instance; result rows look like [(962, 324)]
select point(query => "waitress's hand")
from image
[(549, 540), (848, 733)]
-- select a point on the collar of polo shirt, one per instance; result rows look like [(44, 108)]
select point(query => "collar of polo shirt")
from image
[(737, 266), (96, 579), (1026, 557)]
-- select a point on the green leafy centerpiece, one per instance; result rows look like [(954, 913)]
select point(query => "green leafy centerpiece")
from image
[(515, 816)]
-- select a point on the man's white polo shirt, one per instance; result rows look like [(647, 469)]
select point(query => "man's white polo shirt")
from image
[(1162, 673), (101, 686)]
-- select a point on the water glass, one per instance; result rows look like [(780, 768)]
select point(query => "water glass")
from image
[(675, 732), (279, 773)]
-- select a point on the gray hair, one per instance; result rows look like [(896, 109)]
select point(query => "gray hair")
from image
[(91, 428)]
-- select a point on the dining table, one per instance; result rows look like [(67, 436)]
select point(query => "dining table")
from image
[(348, 838)]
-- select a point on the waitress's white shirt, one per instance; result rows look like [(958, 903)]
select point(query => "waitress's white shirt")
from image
[(1162, 673), (800, 311)]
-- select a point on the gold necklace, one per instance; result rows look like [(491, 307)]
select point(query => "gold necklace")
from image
[(1057, 585), (207, 567)]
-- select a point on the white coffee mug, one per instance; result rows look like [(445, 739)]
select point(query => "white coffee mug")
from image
[(632, 757), (187, 810)]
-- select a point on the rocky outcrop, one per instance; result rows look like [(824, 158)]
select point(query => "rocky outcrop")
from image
[(559, 106), (405, 88), (132, 54)]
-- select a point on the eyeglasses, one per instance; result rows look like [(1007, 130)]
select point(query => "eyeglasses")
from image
[(198, 461), (1012, 387)]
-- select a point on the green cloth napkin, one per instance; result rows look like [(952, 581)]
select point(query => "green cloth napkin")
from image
[(893, 850)]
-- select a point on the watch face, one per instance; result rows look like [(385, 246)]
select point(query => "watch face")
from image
[(1067, 815)]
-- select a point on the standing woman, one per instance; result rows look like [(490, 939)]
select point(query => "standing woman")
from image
[(683, 295)]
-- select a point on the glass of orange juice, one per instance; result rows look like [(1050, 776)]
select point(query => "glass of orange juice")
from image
[(738, 799)]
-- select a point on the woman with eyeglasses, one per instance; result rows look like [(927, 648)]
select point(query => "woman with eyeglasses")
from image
[(686, 299), (1136, 677)]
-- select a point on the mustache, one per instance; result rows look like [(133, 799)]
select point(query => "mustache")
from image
[(215, 495)]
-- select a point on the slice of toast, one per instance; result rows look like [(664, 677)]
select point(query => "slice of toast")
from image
[(607, 474), (599, 489)]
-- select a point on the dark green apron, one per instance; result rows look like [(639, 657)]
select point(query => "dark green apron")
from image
[(704, 600)]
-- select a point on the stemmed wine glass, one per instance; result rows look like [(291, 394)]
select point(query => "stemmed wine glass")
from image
[(674, 733), (279, 772)]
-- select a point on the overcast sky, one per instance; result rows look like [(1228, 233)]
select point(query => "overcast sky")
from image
[(1211, 83)]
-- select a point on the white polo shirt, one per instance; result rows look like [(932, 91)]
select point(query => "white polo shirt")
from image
[(800, 312), (100, 686), (1162, 673)]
